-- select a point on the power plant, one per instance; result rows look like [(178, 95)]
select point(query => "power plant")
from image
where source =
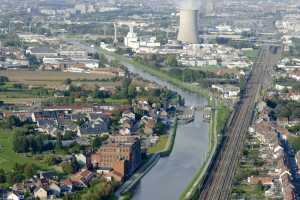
[(188, 29)]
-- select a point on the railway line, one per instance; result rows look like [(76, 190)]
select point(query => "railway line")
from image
[(218, 182)]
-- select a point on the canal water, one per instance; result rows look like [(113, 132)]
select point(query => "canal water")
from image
[(171, 175)]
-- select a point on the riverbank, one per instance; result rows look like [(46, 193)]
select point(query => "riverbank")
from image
[(171, 139), (165, 143), (160, 74)]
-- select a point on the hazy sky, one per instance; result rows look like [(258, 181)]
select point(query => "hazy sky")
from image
[(189, 4)]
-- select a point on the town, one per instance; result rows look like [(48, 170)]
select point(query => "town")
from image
[(143, 99)]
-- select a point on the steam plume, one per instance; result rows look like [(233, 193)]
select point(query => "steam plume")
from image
[(189, 4)]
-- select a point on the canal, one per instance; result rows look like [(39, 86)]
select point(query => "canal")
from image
[(171, 175)]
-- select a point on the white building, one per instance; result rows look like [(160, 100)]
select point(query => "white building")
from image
[(228, 91), (131, 40)]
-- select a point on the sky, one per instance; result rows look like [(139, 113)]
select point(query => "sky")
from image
[(189, 4)]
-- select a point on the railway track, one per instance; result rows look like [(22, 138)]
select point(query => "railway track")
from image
[(218, 183)]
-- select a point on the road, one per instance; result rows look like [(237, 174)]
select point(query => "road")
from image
[(218, 181)]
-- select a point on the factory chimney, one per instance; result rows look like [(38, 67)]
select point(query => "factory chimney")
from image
[(188, 29)]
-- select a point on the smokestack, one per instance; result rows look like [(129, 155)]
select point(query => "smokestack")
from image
[(188, 29)]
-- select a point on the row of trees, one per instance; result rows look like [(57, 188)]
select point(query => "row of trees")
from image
[(27, 140), (283, 108), (18, 173)]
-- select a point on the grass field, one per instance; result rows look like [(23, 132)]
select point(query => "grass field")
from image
[(47, 78), (22, 100), (251, 54), (160, 145), (294, 142), (8, 158)]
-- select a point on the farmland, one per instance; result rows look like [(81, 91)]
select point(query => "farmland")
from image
[(48, 78)]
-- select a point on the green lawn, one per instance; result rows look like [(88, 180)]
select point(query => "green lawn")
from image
[(160, 145), (251, 54), (8, 158), (294, 142), (223, 114)]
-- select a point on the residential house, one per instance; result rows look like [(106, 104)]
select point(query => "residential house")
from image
[(264, 180), (81, 159), (15, 196), (54, 189), (92, 129), (81, 178), (40, 193), (263, 130), (295, 75), (148, 124)]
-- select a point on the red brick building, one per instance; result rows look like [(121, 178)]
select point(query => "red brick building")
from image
[(122, 154)]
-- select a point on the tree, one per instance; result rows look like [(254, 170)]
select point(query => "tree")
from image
[(131, 91), (96, 143), (3, 79), (160, 127), (171, 61), (29, 170), (33, 61), (20, 143), (69, 135), (103, 61), (2, 176), (67, 81), (14, 121), (67, 167), (99, 191)]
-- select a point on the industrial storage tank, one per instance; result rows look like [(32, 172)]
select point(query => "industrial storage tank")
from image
[(188, 29)]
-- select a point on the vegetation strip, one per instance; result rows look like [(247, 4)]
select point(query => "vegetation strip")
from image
[(171, 140)]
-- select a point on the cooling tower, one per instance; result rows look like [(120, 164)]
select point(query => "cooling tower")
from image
[(188, 29)]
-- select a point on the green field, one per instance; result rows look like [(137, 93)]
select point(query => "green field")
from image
[(294, 142), (251, 54), (51, 79), (160, 145), (8, 158)]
